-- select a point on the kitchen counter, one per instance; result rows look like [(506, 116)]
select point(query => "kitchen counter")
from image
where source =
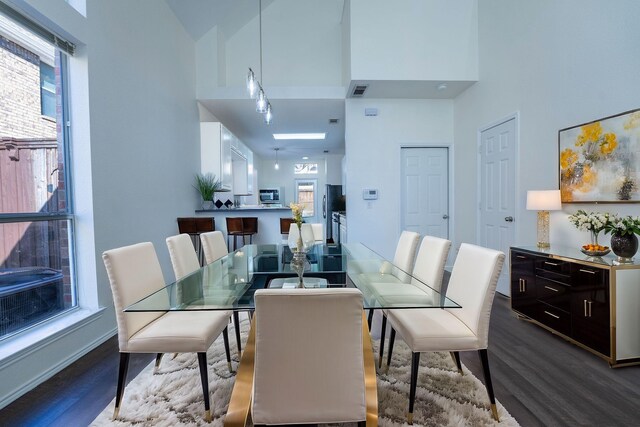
[(268, 220), (242, 208)]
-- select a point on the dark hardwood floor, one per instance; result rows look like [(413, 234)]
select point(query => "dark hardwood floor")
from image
[(540, 378)]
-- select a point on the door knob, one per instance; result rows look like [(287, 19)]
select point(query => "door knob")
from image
[(445, 216), (508, 219)]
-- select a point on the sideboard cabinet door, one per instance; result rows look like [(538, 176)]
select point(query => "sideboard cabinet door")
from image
[(523, 284), (590, 307)]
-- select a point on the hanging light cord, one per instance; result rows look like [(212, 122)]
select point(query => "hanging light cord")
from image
[(260, 26)]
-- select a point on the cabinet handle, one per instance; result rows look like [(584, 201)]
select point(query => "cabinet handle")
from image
[(551, 289), (551, 314), (585, 308), (520, 285), (521, 257), (555, 264), (590, 308), (588, 271)]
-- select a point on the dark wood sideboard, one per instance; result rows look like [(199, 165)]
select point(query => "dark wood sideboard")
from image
[(593, 302)]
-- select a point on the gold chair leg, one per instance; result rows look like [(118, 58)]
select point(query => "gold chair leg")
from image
[(494, 412), (207, 416), (116, 412), (410, 418)]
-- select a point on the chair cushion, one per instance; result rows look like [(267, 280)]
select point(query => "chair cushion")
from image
[(179, 332), (432, 329)]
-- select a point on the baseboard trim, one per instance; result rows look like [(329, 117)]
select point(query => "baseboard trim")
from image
[(54, 369)]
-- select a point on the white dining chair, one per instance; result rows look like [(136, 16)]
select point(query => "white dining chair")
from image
[(472, 285), (306, 230), (304, 364), (215, 247), (399, 271), (134, 273), (185, 261), (426, 279)]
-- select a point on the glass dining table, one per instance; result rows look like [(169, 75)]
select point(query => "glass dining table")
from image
[(230, 282)]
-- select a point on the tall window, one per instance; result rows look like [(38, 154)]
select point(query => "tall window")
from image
[(36, 210)]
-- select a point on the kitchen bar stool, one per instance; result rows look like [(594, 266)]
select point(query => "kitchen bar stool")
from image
[(194, 226), (241, 226)]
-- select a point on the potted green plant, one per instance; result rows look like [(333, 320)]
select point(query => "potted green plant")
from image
[(207, 185)]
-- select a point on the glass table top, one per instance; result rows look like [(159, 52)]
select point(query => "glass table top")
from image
[(230, 282)]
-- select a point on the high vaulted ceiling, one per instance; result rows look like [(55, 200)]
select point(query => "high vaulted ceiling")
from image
[(292, 112)]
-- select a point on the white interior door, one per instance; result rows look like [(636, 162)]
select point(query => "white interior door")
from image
[(425, 191), (497, 192)]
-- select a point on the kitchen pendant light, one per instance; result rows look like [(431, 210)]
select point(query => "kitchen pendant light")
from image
[(261, 102), (254, 86), (268, 115), (276, 166)]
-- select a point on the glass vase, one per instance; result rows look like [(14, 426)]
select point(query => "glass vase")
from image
[(594, 237), (298, 264)]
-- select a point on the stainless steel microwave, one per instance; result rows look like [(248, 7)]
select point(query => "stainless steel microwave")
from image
[(271, 196)]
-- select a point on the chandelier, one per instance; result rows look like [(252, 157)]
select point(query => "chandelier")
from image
[(254, 87)]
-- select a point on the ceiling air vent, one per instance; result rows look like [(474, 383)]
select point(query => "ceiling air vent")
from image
[(333, 121), (359, 90)]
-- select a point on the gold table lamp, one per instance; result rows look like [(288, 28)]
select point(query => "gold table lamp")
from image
[(543, 201)]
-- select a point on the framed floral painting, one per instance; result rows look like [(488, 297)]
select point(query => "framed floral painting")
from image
[(600, 160)]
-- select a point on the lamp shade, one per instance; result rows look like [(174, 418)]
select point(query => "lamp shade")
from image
[(544, 200)]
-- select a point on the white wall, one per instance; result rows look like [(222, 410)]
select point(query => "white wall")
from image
[(301, 45), (559, 64), (210, 63), (373, 161), (414, 40), (135, 152)]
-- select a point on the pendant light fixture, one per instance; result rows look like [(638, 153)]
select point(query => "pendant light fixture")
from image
[(276, 166), (254, 87)]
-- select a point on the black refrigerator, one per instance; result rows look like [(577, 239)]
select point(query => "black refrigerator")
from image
[(332, 201)]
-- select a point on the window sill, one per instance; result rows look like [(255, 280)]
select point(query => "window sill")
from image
[(33, 339)]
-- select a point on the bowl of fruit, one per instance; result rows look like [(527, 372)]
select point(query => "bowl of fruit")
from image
[(595, 250)]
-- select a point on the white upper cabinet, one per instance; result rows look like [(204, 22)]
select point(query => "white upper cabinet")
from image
[(228, 158), (215, 152)]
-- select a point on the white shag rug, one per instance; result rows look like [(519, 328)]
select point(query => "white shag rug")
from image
[(173, 396)]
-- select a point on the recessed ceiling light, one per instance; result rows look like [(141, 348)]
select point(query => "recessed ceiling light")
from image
[(299, 135), (305, 158), (442, 86)]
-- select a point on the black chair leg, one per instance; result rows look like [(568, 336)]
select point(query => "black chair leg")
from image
[(487, 380), (236, 323), (158, 359), (455, 355), (370, 318), (122, 376), (383, 331), (225, 337), (392, 340), (415, 362), (204, 377)]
